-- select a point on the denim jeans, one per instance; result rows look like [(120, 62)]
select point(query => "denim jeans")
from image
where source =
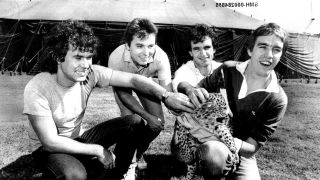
[(247, 170), (213, 162), (122, 131)]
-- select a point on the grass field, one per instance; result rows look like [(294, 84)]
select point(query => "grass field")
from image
[(293, 152)]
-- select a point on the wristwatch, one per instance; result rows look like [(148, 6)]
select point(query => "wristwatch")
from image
[(164, 96)]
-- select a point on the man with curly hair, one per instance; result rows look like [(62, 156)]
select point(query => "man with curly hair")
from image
[(55, 101)]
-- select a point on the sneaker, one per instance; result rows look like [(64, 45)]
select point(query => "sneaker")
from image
[(131, 173)]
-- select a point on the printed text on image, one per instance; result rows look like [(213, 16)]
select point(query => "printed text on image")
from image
[(237, 4)]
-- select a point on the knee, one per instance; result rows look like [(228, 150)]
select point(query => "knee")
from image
[(153, 132), (212, 158), (73, 173), (125, 112), (135, 119), (67, 174)]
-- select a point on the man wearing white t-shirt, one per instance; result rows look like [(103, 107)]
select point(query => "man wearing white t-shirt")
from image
[(56, 99), (202, 47)]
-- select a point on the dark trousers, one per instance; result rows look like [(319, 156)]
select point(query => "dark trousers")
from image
[(153, 106), (122, 131)]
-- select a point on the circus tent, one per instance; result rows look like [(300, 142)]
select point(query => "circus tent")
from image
[(23, 23)]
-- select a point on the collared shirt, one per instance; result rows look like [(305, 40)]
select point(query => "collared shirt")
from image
[(272, 86), (255, 115), (158, 66)]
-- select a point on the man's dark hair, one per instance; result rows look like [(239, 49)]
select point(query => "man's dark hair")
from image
[(265, 30), (77, 34), (141, 28), (199, 32)]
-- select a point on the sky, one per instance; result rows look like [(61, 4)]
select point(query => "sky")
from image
[(293, 15)]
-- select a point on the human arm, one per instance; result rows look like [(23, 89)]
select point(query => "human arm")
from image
[(166, 84), (230, 63), (267, 117), (197, 95), (46, 131), (126, 97), (174, 101), (164, 70), (164, 76), (187, 72), (246, 148)]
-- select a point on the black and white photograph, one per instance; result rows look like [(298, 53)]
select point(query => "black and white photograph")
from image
[(160, 89)]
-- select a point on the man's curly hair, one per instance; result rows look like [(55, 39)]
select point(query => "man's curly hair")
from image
[(77, 34), (199, 32)]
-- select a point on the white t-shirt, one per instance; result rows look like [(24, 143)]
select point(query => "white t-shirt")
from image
[(189, 73), (43, 96)]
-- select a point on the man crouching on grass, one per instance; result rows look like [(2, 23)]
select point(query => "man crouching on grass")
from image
[(56, 99), (258, 104)]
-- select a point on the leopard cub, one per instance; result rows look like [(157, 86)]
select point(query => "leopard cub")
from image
[(212, 116)]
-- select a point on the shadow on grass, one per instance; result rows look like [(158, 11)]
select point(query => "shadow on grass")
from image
[(23, 168), (161, 167)]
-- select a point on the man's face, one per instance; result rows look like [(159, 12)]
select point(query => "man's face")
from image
[(266, 54), (76, 65), (142, 50), (202, 52)]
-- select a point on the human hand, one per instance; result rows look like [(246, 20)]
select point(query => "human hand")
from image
[(179, 102), (155, 123), (238, 144), (232, 162), (229, 112), (197, 96), (107, 158)]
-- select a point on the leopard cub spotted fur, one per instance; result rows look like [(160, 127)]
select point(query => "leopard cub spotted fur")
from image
[(212, 116)]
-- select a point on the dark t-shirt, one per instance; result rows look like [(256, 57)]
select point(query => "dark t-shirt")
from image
[(258, 114)]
